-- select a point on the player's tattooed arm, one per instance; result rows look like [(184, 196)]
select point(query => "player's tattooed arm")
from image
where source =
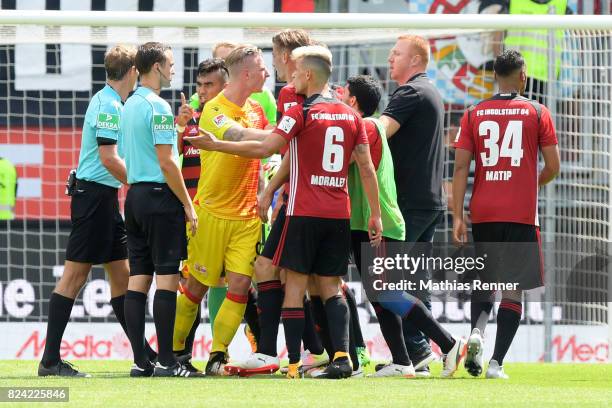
[(238, 134), (353, 154), (234, 134), (254, 149), (362, 148)]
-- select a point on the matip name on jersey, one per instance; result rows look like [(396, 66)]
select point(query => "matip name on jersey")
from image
[(498, 175)]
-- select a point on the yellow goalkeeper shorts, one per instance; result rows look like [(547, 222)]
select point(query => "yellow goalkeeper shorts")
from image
[(221, 244)]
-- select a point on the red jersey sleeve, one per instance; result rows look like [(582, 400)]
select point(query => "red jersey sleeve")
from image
[(282, 95), (286, 99), (464, 139), (362, 135), (546, 132), (279, 105), (375, 141), (291, 123)]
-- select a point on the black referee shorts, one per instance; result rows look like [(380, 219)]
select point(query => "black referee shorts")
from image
[(314, 246), (98, 231), (512, 253), (156, 234), (275, 233)]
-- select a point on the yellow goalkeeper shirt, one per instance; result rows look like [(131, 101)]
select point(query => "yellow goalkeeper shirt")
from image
[(228, 184)]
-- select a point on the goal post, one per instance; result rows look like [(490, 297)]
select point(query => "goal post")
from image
[(51, 63), (302, 20)]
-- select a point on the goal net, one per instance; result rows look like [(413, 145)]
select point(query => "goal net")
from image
[(48, 73)]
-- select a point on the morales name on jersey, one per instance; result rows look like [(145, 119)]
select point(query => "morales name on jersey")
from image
[(327, 181), (322, 134)]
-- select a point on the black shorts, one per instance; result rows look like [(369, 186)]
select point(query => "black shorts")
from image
[(156, 235), (314, 246), (98, 231), (512, 253), (275, 234)]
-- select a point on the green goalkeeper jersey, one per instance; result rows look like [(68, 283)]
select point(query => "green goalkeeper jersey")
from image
[(392, 220)]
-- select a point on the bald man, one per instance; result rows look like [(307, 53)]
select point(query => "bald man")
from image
[(414, 122)]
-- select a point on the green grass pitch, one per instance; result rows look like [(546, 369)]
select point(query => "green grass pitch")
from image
[(533, 385)]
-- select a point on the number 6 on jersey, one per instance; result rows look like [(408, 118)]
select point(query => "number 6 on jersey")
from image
[(333, 153)]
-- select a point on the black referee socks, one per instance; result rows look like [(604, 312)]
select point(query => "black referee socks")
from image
[(164, 313), (134, 312), (118, 304), (59, 314)]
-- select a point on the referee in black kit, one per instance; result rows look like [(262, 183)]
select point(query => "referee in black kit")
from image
[(98, 231), (155, 210)]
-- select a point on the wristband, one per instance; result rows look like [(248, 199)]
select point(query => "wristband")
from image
[(180, 128)]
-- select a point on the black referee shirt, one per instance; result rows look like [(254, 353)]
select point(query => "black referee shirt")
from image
[(418, 145)]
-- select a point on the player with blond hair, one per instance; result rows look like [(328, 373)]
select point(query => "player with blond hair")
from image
[(316, 234), (226, 204)]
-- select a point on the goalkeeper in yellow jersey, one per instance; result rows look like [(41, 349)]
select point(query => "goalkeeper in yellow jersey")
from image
[(226, 204)]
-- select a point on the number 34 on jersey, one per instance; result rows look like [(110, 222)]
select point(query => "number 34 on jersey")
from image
[(510, 146)]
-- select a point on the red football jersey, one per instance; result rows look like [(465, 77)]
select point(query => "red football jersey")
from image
[(287, 97), (374, 141), (505, 134), (191, 156), (321, 134)]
